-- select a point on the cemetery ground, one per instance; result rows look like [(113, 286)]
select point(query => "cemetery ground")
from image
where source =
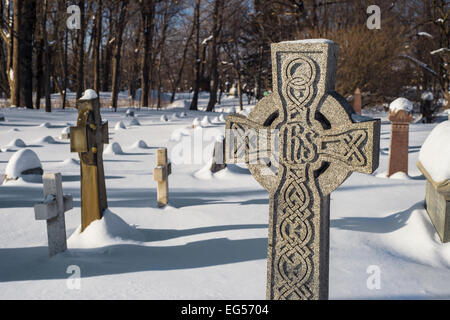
[(210, 242)]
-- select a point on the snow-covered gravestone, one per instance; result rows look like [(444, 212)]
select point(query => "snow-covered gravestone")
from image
[(434, 162), (400, 116), (52, 210), (2, 117), (24, 164), (161, 174), (301, 143), (88, 138)]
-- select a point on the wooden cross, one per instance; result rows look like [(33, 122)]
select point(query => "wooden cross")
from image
[(317, 145), (161, 174), (52, 209), (87, 138)]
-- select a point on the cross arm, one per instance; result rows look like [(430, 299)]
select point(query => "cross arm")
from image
[(160, 173), (355, 146), (47, 209)]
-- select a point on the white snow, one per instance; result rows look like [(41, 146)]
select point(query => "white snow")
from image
[(46, 139), (164, 118), (110, 230), (45, 125), (120, 126), (205, 122), (401, 104), (425, 34), (427, 96), (19, 143), (21, 161), (435, 152), (134, 122), (312, 41), (140, 144), (113, 148), (89, 94)]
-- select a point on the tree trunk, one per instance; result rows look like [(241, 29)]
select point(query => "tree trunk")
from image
[(15, 75), (26, 50), (117, 54), (214, 83), (182, 63), (80, 48), (194, 102), (148, 14), (48, 101), (161, 53), (97, 31)]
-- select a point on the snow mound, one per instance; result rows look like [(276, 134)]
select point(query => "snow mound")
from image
[(14, 130), (110, 230), (71, 161), (222, 118), (427, 96), (174, 116), (2, 117), (114, 148), (178, 134), (134, 122), (164, 118), (435, 152), (47, 139), (244, 112), (89, 94), (139, 145), (45, 125), (196, 123), (205, 121), (21, 162), (17, 143), (215, 120), (120, 125), (401, 104), (183, 115)]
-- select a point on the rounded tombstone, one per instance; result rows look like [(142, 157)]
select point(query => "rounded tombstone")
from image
[(24, 164)]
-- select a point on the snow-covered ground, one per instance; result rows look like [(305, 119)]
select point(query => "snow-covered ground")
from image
[(211, 241)]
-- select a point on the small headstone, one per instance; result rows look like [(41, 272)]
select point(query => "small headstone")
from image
[(218, 162), (400, 117), (88, 138), (2, 117), (164, 118), (316, 148), (129, 113), (65, 133), (357, 101), (161, 174), (52, 210)]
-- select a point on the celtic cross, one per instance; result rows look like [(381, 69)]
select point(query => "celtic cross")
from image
[(300, 143)]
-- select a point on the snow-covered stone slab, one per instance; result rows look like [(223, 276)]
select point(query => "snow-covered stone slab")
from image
[(434, 162)]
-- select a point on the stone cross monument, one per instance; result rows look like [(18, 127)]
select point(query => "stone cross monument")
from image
[(87, 138), (161, 174), (52, 209), (307, 143)]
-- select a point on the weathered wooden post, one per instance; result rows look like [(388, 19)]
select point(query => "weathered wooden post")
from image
[(318, 145), (87, 138), (357, 101), (218, 162), (399, 147), (52, 209), (161, 174)]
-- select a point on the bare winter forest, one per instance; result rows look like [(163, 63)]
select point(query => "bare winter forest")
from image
[(152, 49)]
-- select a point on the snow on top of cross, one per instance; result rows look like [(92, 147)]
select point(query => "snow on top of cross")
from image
[(309, 41), (435, 152), (401, 104), (21, 161), (89, 94)]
